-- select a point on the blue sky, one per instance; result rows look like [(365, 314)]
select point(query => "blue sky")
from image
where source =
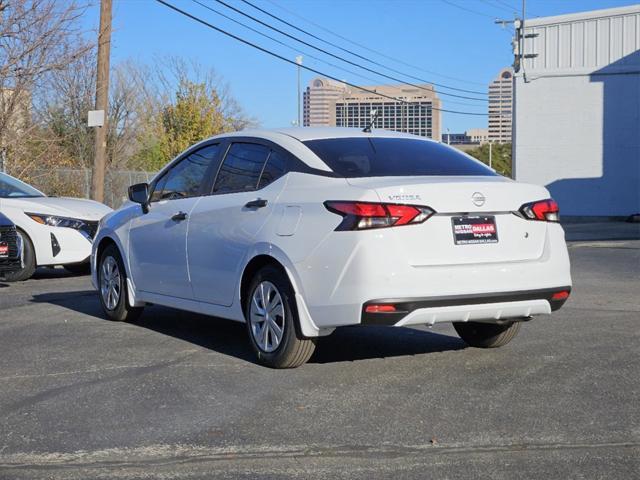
[(451, 38)]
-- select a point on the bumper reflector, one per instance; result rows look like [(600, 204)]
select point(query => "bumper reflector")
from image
[(562, 295), (380, 308)]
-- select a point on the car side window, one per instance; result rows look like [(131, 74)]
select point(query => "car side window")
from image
[(240, 170), (185, 179), (276, 167)]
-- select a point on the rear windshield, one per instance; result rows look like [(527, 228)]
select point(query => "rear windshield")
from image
[(394, 157)]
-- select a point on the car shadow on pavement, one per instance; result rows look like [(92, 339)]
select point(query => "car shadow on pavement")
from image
[(47, 273), (230, 338), (368, 342)]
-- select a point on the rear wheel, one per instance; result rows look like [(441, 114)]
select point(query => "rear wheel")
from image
[(486, 335), (272, 321), (28, 261), (112, 287)]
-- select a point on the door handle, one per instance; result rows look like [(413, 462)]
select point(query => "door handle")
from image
[(178, 217), (259, 203)]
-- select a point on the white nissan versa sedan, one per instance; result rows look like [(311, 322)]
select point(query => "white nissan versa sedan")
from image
[(298, 231), (53, 230)]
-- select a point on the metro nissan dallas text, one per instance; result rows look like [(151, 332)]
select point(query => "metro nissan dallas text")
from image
[(298, 231)]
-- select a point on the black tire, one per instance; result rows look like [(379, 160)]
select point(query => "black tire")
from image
[(121, 311), (293, 349), (28, 260), (78, 268), (487, 335)]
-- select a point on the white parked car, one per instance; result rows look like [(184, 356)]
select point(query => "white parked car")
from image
[(299, 231), (53, 230), (10, 248)]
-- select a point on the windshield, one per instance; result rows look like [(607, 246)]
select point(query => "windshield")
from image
[(13, 188), (394, 157)]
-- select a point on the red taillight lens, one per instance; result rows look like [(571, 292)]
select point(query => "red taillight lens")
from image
[(366, 215), (544, 210), (358, 209)]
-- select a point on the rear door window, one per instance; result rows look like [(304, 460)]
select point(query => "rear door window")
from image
[(393, 157), (241, 168), (276, 167)]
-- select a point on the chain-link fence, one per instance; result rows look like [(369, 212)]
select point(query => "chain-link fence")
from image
[(77, 183)]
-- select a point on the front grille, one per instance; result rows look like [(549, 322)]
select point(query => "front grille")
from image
[(9, 236), (90, 228)]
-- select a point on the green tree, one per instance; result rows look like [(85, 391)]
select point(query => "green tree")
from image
[(195, 115), (500, 156)]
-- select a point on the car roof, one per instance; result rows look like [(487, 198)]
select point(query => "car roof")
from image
[(319, 133)]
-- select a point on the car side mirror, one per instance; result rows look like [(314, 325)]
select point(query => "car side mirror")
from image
[(139, 193)]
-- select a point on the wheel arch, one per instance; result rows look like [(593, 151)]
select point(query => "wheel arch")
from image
[(24, 233), (102, 245), (260, 260), (255, 264)]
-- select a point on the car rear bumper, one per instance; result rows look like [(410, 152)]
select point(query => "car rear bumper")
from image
[(462, 308), (340, 278)]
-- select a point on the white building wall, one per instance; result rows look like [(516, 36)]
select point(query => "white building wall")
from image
[(577, 111)]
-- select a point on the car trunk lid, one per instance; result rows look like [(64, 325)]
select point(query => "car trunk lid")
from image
[(490, 198)]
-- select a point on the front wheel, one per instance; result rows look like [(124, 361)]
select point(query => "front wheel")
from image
[(272, 321), (486, 335), (112, 287), (28, 261)]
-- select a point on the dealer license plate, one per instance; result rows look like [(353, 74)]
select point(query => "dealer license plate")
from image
[(4, 250), (473, 230)]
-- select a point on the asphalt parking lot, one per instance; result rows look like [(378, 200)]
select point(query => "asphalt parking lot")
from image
[(178, 395)]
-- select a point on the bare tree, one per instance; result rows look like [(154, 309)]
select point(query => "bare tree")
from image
[(169, 72), (36, 37)]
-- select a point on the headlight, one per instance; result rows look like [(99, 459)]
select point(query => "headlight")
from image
[(54, 221)]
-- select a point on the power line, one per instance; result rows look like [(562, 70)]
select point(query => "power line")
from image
[(357, 54), (448, 2), (321, 60), (284, 59), (395, 79), (508, 5), (369, 49), (495, 4)]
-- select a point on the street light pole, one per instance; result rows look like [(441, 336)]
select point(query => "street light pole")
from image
[(102, 100), (299, 62)]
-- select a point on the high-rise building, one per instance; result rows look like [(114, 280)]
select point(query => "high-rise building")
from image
[(501, 107), (330, 103)]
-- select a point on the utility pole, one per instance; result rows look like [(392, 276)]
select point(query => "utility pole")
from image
[(299, 62), (102, 100)]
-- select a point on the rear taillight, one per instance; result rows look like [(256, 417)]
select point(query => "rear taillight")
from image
[(366, 215), (544, 210)]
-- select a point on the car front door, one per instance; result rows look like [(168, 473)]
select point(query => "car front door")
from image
[(157, 238), (224, 225)]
